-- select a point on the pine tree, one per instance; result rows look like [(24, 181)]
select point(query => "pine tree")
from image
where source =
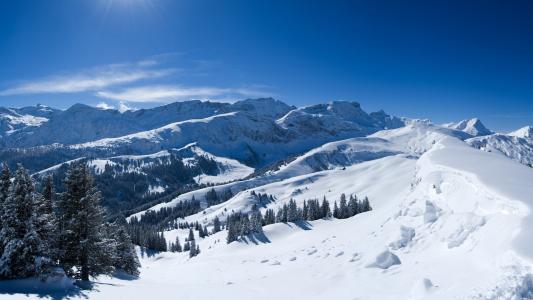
[(201, 231), (216, 225), (343, 207), (24, 253), (125, 255), (292, 214), (365, 206), (192, 250), (85, 248), (335, 210), (191, 235), (211, 197), (353, 206), (48, 192), (256, 222), (326, 211), (305, 211), (177, 244), (270, 217), (279, 215), (5, 182), (233, 230), (245, 225)]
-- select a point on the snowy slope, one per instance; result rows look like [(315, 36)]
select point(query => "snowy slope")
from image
[(335, 155), (448, 223), (517, 145), (451, 215), (228, 169), (13, 120)]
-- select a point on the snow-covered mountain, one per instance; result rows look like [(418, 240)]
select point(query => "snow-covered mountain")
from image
[(524, 132), (449, 222), (82, 123), (473, 127), (13, 120), (450, 219), (249, 131), (517, 145)]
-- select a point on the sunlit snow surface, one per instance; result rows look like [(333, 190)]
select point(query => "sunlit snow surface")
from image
[(449, 222)]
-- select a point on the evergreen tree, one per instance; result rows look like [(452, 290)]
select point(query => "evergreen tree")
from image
[(305, 211), (24, 253), (48, 192), (125, 255), (5, 182), (270, 217), (216, 225), (343, 208), (335, 210), (353, 206), (211, 197), (245, 225), (201, 231), (233, 230), (177, 244), (279, 215), (256, 222), (85, 248), (192, 249), (191, 235), (365, 206), (45, 224), (326, 211)]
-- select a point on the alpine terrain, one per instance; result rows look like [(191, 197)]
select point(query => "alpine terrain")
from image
[(260, 199)]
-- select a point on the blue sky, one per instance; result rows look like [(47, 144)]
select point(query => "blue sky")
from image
[(442, 60)]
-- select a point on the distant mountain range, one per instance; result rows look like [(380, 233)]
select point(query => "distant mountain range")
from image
[(245, 138)]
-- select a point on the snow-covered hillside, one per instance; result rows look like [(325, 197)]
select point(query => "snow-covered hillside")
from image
[(250, 132), (451, 207), (13, 120), (517, 145), (448, 222)]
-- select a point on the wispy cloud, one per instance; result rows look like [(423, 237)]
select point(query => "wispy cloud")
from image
[(90, 80), (146, 80), (167, 93)]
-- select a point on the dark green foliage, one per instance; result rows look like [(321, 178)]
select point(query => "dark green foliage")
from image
[(240, 224), (125, 257), (85, 250), (25, 253), (40, 231)]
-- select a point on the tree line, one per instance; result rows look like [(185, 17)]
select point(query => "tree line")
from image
[(43, 231), (147, 230), (242, 224)]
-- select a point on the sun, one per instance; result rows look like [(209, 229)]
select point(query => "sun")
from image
[(118, 8)]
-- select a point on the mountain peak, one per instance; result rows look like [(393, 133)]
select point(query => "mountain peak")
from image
[(263, 106), (472, 126), (80, 107), (524, 132)]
